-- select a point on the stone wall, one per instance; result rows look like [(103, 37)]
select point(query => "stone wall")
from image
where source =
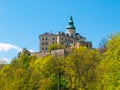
[(40, 54), (59, 52)]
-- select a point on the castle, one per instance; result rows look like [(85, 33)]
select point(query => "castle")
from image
[(70, 39)]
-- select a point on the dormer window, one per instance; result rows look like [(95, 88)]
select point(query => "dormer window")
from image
[(45, 33), (59, 32)]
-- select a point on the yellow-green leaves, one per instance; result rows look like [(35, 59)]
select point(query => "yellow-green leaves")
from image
[(109, 68), (55, 46), (80, 68)]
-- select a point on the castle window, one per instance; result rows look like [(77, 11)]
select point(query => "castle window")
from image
[(61, 42), (53, 38), (42, 43), (43, 38), (42, 48), (61, 38), (46, 43), (46, 38), (46, 48)]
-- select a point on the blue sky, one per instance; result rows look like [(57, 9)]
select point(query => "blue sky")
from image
[(22, 21)]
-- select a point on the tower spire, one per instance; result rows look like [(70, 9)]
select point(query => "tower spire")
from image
[(71, 24)]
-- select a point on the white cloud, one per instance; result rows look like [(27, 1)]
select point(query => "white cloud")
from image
[(31, 50), (4, 60), (6, 47)]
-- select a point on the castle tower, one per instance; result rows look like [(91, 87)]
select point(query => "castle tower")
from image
[(71, 28)]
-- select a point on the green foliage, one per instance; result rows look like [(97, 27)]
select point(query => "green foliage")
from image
[(50, 73), (16, 75), (82, 69), (109, 68), (49, 67), (102, 45), (24, 52), (55, 46)]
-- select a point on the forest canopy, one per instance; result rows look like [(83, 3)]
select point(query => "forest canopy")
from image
[(81, 69)]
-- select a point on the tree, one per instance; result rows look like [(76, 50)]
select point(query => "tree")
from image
[(17, 74), (80, 68), (46, 68), (55, 46), (109, 68), (24, 52), (51, 72), (102, 46)]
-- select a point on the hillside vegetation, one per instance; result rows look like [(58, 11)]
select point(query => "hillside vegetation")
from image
[(82, 69)]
